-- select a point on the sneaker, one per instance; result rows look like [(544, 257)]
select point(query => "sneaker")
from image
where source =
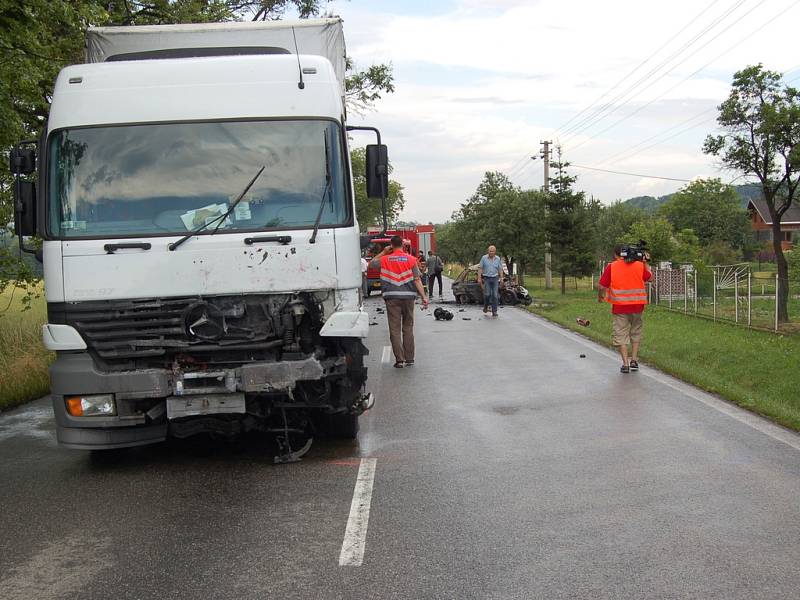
[(399, 364), (622, 369), (634, 365), (409, 363)]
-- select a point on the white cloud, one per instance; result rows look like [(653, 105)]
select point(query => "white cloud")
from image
[(480, 86)]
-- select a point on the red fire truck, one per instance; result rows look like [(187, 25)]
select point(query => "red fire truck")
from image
[(415, 239)]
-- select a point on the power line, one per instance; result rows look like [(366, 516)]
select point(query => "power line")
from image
[(630, 174), (520, 164), (632, 150), (641, 64), (621, 155), (631, 91), (638, 110)]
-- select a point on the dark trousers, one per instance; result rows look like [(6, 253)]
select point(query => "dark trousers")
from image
[(432, 277), (400, 314)]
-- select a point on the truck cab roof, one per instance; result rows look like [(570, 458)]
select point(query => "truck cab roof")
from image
[(200, 88)]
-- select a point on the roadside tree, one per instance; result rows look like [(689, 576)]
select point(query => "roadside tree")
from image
[(761, 139), (658, 234), (567, 226), (712, 210), (612, 225)]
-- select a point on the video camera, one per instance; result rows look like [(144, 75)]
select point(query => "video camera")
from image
[(633, 252)]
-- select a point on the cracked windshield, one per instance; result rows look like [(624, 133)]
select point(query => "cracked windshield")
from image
[(173, 178)]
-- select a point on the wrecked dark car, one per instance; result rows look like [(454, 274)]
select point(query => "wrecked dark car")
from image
[(467, 290)]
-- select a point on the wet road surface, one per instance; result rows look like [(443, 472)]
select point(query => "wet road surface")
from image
[(502, 465)]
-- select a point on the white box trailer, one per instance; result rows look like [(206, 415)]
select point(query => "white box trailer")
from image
[(321, 37)]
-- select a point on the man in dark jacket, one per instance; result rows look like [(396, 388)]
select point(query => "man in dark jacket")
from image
[(435, 268)]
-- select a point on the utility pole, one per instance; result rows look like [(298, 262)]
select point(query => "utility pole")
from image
[(548, 274)]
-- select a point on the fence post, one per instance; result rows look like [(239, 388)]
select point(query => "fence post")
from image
[(736, 297), (695, 290), (654, 287), (714, 296), (749, 298), (670, 288), (685, 291), (777, 283)]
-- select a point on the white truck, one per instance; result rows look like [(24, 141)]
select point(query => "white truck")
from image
[(200, 245)]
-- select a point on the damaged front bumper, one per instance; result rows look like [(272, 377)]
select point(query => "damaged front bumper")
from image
[(141, 396)]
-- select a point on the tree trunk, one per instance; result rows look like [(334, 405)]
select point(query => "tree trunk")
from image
[(521, 273), (783, 271)]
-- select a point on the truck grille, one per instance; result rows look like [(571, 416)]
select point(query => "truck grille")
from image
[(161, 329)]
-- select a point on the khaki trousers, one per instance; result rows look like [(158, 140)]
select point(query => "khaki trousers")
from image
[(400, 314)]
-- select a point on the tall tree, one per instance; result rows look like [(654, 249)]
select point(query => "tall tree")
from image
[(712, 209), (567, 225), (612, 225), (761, 139), (658, 234)]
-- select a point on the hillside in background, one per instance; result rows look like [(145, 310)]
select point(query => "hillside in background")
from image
[(650, 204)]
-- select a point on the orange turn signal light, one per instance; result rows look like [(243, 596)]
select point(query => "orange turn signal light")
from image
[(74, 406)]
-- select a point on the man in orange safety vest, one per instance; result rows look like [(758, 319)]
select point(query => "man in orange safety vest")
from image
[(400, 285), (622, 285)]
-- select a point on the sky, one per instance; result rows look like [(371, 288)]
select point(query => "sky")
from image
[(620, 85)]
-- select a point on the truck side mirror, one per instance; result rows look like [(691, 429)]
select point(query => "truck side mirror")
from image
[(22, 161), (377, 171), (25, 208)]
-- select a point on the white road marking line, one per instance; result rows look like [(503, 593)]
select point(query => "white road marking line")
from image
[(754, 421), (355, 536), (387, 355)]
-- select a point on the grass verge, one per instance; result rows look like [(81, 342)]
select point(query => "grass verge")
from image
[(756, 370), (23, 358)]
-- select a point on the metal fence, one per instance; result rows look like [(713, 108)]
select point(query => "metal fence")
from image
[(731, 293)]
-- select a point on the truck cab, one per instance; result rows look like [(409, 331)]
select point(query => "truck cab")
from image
[(201, 250)]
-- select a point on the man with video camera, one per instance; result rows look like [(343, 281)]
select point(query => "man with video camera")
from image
[(622, 285)]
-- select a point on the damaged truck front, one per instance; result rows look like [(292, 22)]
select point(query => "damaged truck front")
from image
[(201, 250)]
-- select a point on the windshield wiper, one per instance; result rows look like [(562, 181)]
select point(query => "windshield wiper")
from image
[(326, 191), (221, 218)]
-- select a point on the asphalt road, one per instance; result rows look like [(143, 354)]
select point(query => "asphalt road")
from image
[(505, 466)]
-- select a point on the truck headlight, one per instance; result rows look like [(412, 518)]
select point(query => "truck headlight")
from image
[(99, 405)]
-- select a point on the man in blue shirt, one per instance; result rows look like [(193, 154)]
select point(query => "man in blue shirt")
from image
[(490, 270)]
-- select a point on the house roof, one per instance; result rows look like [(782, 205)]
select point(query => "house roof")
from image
[(790, 217)]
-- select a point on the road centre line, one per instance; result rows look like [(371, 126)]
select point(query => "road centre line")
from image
[(355, 536), (754, 421), (387, 355)]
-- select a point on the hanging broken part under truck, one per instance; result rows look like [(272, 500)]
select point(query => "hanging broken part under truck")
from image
[(201, 250)]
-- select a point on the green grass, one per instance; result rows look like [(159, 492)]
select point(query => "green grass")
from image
[(23, 358), (757, 370)]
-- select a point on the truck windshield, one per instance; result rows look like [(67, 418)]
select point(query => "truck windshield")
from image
[(161, 179)]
